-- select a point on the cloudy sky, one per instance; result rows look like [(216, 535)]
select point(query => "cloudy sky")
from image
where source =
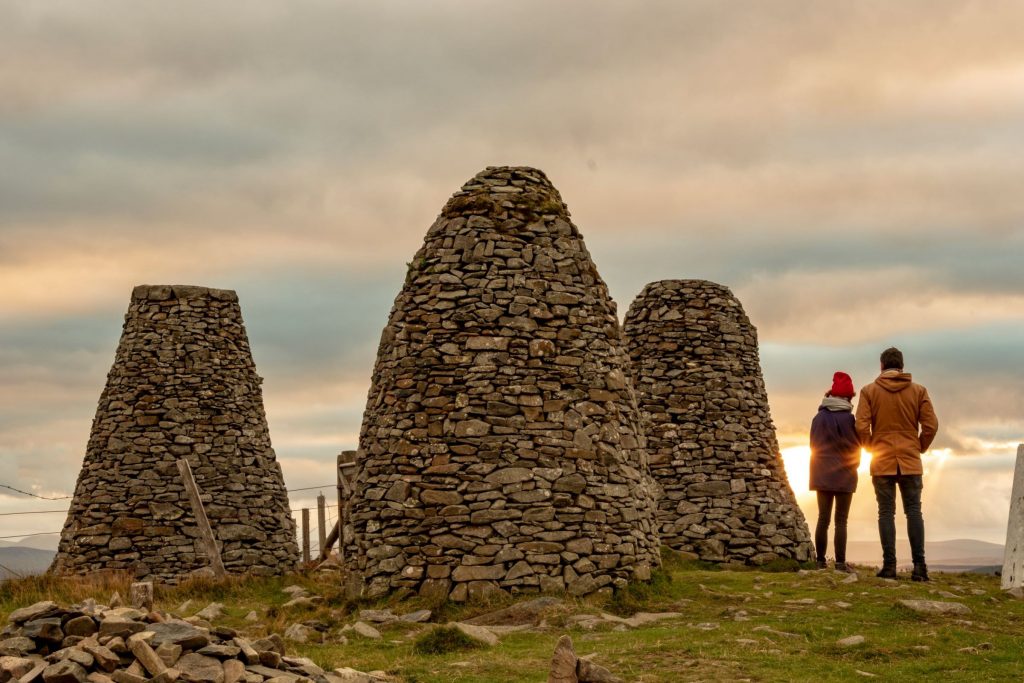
[(852, 170)]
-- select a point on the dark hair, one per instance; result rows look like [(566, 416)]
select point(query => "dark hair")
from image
[(892, 359)]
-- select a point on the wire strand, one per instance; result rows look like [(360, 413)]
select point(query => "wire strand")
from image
[(41, 533), (34, 495), (33, 512)]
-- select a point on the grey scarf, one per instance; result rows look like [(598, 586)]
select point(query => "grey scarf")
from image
[(837, 404)]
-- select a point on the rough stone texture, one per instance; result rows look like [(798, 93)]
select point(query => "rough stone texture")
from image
[(501, 447), (710, 436), (221, 656), (182, 384)]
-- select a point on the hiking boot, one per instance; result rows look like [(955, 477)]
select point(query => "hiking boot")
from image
[(920, 573), (843, 567), (822, 564), (887, 572)]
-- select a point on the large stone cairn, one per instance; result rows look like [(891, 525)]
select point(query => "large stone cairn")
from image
[(710, 436), (500, 448), (183, 385)]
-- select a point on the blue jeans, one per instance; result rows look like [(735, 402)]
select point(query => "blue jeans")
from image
[(910, 486)]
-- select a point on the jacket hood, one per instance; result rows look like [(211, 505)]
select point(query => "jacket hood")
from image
[(893, 381)]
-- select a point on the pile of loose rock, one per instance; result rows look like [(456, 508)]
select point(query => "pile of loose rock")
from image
[(91, 643)]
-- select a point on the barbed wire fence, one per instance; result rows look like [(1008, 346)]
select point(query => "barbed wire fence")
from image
[(315, 549)]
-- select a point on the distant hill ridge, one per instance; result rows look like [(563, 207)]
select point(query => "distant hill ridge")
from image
[(960, 552), (21, 561)]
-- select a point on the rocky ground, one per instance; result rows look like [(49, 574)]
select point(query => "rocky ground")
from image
[(696, 622)]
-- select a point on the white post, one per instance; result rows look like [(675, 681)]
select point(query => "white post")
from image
[(1013, 558)]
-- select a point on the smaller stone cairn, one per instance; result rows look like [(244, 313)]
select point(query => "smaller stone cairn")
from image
[(710, 438), (90, 643), (183, 385)]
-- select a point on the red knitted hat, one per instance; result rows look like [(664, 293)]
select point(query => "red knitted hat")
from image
[(842, 385)]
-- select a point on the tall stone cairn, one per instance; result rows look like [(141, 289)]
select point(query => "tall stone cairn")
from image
[(710, 436), (500, 448), (183, 385)]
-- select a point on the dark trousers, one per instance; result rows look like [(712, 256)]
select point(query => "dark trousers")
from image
[(842, 504), (910, 486)]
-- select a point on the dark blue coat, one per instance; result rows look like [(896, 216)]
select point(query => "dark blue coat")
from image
[(835, 451)]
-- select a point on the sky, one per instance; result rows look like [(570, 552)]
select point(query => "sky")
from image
[(851, 170)]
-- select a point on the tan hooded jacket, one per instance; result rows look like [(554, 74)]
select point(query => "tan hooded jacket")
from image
[(896, 423)]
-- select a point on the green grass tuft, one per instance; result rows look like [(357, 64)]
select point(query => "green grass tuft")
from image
[(443, 640)]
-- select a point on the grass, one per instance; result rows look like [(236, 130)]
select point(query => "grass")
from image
[(719, 635), (443, 640)]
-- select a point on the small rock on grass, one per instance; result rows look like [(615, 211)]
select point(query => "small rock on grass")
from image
[(211, 612), (479, 634), (563, 662), (644, 618), (851, 641), (589, 672), (301, 633), (936, 607), (365, 630), (377, 616), (418, 617), (301, 601), (347, 675)]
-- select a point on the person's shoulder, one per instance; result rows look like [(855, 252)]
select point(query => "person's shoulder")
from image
[(919, 388)]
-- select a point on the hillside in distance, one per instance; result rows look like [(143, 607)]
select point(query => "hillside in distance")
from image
[(963, 553), (18, 560)]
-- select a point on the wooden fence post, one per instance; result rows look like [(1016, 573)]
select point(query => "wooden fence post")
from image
[(305, 535), (321, 523), (346, 474), (205, 532)]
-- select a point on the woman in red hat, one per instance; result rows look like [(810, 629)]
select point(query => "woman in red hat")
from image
[(835, 456)]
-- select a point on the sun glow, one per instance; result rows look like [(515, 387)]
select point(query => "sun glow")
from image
[(797, 460)]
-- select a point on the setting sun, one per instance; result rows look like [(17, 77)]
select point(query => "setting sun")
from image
[(797, 460)]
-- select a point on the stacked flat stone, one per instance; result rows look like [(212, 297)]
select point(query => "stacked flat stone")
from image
[(500, 448), (183, 385), (710, 436), (91, 643)]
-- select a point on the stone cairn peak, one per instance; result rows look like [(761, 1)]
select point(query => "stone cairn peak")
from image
[(710, 436), (183, 385), (500, 447)]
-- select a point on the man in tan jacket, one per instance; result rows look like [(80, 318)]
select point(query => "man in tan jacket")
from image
[(896, 423)]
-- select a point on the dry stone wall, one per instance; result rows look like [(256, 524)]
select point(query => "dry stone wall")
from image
[(710, 436), (183, 385), (500, 445)]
